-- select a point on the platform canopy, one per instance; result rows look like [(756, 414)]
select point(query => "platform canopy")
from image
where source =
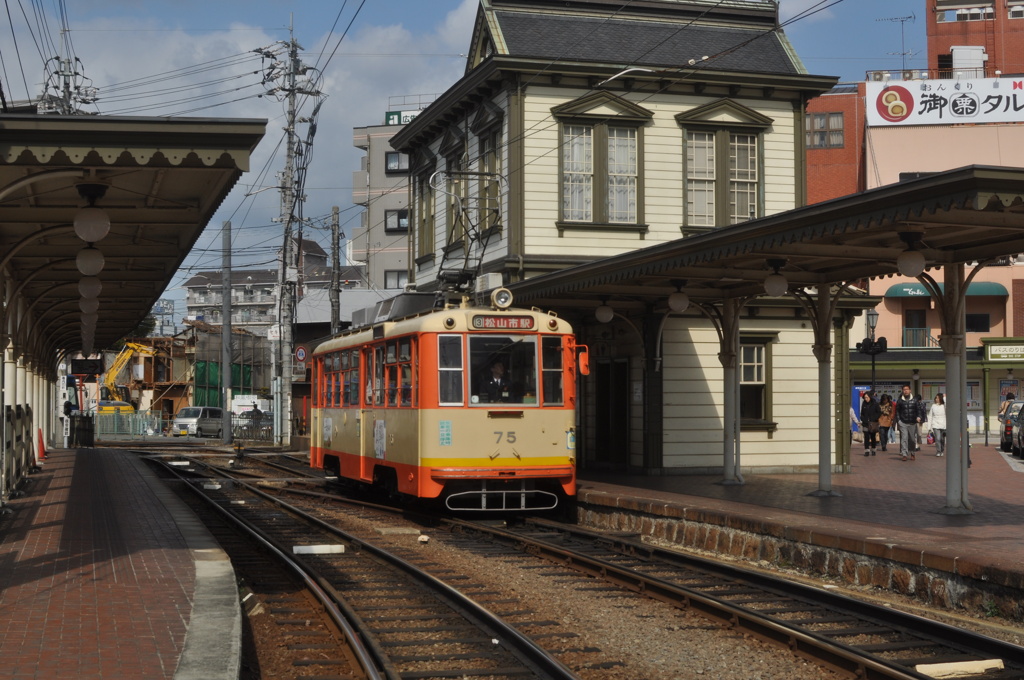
[(970, 214), (158, 180)]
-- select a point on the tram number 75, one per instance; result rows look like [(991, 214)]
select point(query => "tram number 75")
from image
[(509, 437)]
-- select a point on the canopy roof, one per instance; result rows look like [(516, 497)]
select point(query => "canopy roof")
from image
[(160, 181), (970, 214)]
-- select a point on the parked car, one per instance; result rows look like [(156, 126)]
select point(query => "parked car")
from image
[(198, 421), (1006, 434), (1017, 436), (254, 425)]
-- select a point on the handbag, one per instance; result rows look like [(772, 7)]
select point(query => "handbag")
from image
[(931, 438), (858, 436)]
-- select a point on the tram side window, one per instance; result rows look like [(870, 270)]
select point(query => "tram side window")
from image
[(449, 368), (378, 375), (551, 362), (350, 361), (338, 377), (405, 356), (398, 372), (391, 374), (322, 381)]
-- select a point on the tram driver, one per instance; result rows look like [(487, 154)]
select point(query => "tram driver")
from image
[(495, 385)]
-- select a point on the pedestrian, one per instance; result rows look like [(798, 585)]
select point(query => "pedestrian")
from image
[(937, 417), (1005, 405), (856, 434), (908, 417), (921, 423), (885, 420), (869, 415)]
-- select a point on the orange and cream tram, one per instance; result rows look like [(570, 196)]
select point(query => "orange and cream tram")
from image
[(469, 404)]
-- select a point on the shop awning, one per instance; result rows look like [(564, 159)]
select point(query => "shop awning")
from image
[(918, 289)]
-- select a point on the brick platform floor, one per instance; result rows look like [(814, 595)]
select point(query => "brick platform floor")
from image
[(96, 580)]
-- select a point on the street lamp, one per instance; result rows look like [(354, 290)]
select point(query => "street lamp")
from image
[(869, 346), (872, 316)]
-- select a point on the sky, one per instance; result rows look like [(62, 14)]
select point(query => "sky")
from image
[(197, 58)]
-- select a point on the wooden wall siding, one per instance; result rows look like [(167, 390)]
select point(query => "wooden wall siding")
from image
[(694, 402)]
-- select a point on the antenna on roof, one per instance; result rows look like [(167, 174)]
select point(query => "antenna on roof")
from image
[(903, 49)]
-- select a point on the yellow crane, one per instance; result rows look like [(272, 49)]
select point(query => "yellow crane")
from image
[(113, 397)]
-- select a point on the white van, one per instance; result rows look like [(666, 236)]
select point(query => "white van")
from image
[(198, 421)]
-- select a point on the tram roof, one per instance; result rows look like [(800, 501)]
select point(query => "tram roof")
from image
[(164, 179), (969, 214)]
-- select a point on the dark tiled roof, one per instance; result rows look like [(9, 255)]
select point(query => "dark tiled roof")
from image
[(643, 43)]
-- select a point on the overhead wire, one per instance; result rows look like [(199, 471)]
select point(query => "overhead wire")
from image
[(17, 50)]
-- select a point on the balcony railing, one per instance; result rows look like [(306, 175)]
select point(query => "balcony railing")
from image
[(929, 74), (919, 337)]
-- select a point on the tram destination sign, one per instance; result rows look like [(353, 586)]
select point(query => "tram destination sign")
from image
[(493, 321)]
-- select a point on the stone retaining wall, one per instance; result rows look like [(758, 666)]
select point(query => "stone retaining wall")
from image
[(933, 580)]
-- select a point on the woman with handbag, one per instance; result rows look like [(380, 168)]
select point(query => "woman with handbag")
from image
[(885, 419), (870, 413), (937, 417)]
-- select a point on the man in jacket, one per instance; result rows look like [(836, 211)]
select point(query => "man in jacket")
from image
[(908, 415)]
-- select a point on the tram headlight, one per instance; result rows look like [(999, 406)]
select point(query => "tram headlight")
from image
[(501, 298)]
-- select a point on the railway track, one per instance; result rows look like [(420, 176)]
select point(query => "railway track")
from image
[(850, 636), (291, 629), (411, 624)]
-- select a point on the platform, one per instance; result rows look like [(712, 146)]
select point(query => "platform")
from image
[(884, 530), (105, 573)]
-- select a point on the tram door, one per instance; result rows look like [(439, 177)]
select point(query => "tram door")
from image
[(611, 440)]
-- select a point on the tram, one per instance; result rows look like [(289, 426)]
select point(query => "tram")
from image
[(474, 406)]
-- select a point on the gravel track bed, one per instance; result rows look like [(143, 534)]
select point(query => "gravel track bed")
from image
[(638, 638)]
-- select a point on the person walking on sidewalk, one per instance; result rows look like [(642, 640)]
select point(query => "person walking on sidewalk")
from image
[(885, 420), (923, 405), (937, 417), (869, 415), (908, 415)]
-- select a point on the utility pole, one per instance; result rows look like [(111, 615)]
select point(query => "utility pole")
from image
[(225, 338), (289, 270), (287, 87), (68, 88), (335, 272)]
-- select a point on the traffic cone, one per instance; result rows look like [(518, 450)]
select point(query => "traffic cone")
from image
[(41, 455)]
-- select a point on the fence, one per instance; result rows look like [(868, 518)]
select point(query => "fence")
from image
[(132, 426)]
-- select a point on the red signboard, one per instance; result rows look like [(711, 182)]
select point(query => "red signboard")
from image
[(504, 323)]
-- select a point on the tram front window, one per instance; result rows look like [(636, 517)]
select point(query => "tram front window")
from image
[(504, 369)]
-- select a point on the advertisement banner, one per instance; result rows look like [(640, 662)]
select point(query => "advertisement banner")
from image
[(945, 102)]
